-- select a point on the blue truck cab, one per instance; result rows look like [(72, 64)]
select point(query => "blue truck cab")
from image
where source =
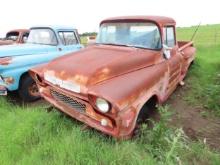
[(44, 44)]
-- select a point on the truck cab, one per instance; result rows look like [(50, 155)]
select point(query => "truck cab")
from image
[(17, 36), (44, 43)]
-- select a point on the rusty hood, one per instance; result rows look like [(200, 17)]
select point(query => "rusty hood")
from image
[(6, 42), (98, 63)]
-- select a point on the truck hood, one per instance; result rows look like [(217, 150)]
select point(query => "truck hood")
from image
[(24, 49), (6, 42), (99, 63)]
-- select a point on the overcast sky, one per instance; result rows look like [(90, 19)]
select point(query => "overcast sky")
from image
[(86, 14)]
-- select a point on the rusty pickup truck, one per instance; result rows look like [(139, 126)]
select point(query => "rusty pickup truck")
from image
[(135, 65), (18, 36)]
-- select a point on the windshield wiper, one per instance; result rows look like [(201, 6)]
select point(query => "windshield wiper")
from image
[(131, 46), (115, 44), (8, 39), (32, 43), (38, 43)]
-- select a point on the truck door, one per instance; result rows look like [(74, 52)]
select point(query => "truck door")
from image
[(174, 59), (70, 42)]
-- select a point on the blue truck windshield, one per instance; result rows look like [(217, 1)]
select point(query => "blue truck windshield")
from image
[(42, 36)]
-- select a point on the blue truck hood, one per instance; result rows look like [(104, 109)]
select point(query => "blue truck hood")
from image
[(25, 49)]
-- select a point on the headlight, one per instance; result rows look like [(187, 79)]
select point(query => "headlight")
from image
[(102, 105)]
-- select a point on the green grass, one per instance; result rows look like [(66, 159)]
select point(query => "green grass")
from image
[(206, 35), (84, 40), (33, 136), (204, 76)]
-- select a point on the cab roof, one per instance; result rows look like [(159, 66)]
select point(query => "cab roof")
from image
[(161, 20), (19, 30), (55, 27)]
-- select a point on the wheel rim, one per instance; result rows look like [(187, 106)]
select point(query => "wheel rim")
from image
[(33, 90)]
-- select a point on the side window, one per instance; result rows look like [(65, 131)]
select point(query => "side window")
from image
[(25, 37), (68, 38), (62, 38), (169, 36)]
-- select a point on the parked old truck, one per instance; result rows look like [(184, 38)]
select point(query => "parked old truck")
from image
[(17, 36), (43, 45), (135, 64)]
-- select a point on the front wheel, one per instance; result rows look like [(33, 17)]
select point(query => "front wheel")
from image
[(147, 115), (28, 89)]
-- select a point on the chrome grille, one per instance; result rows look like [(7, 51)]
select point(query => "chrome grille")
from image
[(70, 102)]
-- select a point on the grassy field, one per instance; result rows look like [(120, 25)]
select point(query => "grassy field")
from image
[(204, 76), (30, 135), (83, 40)]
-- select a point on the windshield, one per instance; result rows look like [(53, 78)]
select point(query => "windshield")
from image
[(12, 36), (42, 36), (143, 35)]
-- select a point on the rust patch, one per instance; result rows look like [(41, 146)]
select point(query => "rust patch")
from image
[(21, 33), (9, 80), (5, 60)]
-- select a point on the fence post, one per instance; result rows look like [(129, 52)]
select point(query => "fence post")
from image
[(216, 34)]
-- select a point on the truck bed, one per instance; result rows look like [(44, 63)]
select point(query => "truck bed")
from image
[(184, 44)]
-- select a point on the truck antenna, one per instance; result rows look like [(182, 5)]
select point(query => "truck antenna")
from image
[(194, 34)]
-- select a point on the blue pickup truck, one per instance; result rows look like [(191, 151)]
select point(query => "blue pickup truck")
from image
[(43, 45)]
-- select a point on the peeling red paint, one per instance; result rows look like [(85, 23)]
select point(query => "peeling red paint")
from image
[(5, 60), (126, 77), (9, 80)]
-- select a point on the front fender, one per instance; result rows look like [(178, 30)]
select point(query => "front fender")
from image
[(15, 74), (132, 89), (128, 93), (20, 65)]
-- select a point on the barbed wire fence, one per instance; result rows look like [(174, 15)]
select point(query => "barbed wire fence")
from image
[(216, 36), (204, 37)]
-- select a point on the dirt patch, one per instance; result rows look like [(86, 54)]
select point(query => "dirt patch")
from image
[(195, 125)]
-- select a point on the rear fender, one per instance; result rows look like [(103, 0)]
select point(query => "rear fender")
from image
[(188, 53)]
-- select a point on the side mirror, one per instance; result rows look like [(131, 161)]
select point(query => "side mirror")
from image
[(166, 51)]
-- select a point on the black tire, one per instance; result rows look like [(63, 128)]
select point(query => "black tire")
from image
[(192, 63), (26, 83), (147, 115), (142, 118)]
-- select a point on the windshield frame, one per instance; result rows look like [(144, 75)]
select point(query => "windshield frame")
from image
[(134, 21), (35, 28)]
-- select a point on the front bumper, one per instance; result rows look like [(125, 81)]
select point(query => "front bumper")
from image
[(3, 91), (119, 126), (89, 117)]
